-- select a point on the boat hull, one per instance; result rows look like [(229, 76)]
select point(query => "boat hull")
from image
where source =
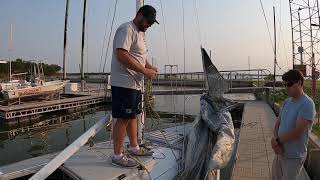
[(47, 88)]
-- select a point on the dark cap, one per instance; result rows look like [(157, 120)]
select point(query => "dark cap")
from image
[(149, 13)]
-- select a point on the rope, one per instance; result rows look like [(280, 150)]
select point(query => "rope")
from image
[(155, 114)]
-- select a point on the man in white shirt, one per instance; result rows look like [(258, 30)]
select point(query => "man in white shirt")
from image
[(129, 65)]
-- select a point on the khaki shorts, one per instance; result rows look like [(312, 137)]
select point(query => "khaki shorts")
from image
[(286, 169)]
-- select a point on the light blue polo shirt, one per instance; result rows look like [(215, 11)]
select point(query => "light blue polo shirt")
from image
[(292, 111)]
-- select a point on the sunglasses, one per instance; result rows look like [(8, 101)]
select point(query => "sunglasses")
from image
[(289, 84)]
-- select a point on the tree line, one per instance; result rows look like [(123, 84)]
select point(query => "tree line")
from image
[(22, 66)]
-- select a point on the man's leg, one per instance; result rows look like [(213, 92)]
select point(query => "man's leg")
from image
[(292, 168), (119, 132), (276, 168), (122, 99), (132, 129), (132, 132)]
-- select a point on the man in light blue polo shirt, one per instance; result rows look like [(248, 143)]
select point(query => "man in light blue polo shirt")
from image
[(292, 129)]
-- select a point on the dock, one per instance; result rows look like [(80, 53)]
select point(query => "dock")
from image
[(254, 154), (78, 100)]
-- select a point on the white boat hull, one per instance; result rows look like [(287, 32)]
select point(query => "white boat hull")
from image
[(47, 88)]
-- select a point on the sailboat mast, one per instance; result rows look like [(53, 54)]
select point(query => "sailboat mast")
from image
[(10, 49), (139, 4), (65, 40), (141, 117), (82, 43), (275, 48)]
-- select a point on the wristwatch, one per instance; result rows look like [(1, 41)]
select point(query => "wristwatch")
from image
[(278, 140)]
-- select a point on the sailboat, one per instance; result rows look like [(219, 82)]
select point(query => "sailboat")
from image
[(171, 146), (38, 86)]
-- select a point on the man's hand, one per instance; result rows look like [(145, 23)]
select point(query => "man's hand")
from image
[(274, 143), (155, 68), (150, 73), (277, 148)]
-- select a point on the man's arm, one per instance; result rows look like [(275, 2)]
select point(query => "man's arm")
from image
[(277, 148), (129, 62), (302, 125), (276, 127)]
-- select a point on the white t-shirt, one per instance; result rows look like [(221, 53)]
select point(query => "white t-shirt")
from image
[(129, 38)]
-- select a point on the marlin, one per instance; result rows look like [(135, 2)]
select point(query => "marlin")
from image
[(210, 143)]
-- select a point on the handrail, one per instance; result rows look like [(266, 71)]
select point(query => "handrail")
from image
[(56, 162)]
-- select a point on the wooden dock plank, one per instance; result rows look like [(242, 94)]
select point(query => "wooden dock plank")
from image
[(254, 152)]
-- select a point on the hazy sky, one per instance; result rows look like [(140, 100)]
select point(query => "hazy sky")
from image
[(233, 30)]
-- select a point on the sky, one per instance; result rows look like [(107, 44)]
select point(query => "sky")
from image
[(235, 31)]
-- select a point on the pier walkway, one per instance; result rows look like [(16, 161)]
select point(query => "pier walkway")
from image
[(255, 155), (39, 107)]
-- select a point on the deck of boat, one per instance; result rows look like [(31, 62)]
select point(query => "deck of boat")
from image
[(95, 162), (255, 155)]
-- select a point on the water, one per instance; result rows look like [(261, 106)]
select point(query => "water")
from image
[(47, 140), (40, 141)]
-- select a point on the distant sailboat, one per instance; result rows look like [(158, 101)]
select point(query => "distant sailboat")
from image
[(20, 89)]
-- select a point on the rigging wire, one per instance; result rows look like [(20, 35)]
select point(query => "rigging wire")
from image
[(282, 37), (167, 53), (104, 38), (165, 32), (284, 45), (266, 21), (184, 79), (270, 37), (196, 11), (109, 39)]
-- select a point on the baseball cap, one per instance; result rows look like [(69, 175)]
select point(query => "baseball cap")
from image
[(149, 13)]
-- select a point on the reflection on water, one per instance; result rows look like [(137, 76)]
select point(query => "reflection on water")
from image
[(60, 131), (46, 140)]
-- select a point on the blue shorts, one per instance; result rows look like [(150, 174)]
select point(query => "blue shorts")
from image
[(126, 103)]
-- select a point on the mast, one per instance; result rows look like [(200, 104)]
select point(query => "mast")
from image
[(275, 48), (139, 3), (10, 50), (65, 40), (82, 43)]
